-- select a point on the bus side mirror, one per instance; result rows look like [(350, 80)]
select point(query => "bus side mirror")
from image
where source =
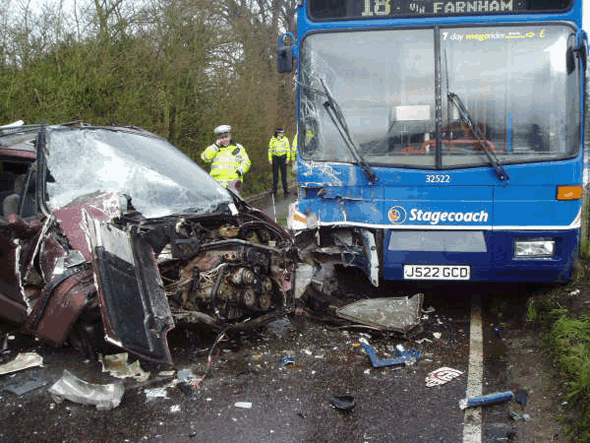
[(285, 59)]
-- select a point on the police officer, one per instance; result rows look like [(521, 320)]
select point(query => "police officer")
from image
[(294, 147), (229, 160), (279, 156)]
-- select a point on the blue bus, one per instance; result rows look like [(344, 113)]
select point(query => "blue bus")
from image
[(440, 139)]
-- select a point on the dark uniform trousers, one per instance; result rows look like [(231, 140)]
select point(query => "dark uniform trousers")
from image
[(279, 163)]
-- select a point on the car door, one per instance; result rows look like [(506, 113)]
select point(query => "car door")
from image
[(133, 303)]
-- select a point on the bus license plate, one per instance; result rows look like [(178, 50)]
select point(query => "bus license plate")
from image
[(436, 272)]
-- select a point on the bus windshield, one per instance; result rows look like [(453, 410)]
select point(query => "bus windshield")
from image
[(509, 90)]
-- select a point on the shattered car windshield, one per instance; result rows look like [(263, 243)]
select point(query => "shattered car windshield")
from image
[(158, 177)]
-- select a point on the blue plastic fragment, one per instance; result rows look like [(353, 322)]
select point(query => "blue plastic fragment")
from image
[(287, 361), (489, 399), (497, 332), (404, 356)]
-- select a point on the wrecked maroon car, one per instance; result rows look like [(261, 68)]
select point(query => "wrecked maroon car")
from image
[(113, 233)]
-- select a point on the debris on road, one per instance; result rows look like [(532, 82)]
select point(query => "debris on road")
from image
[(287, 361), (516, 416), (151, 394), (118, 366), (398, 314), (485, 400), (497, 332), (521, 397), (70, 387), (196, 382), (342, 402), (27, 386), (243, 404), (441, 376), (404, 357), (24, 360), (187, 382), (279, 328)]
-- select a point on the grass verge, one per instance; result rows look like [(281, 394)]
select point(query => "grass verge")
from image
[(564, 318)]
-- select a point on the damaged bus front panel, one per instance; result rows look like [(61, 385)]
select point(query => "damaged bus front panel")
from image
[(449, 159)]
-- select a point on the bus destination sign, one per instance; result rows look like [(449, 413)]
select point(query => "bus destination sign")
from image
[(365, 9)]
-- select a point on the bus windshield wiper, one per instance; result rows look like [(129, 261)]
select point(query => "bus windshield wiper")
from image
[(467, 119), (333, 110)]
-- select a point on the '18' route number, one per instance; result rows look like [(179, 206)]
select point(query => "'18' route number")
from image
[(438, 178), (378, 7)]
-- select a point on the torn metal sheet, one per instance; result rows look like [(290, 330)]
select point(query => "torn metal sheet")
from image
[(119, 367), (27, 386), (387, 313), (22, 361), (303, 278), (104, 397)]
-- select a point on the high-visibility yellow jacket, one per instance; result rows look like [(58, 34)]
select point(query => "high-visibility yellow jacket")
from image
[(294, 148), (279, 148), (308, 137), (228, 163)]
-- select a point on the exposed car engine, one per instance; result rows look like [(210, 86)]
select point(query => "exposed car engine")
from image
[(217, 271)]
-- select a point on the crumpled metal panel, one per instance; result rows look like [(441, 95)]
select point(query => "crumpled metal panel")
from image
[(72, 217), (103, 397), (386, 313), (22, 361)]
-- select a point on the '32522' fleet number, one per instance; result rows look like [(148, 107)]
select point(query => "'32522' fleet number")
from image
[(438, 178)]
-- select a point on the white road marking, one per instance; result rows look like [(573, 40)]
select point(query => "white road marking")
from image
[(472, 417)]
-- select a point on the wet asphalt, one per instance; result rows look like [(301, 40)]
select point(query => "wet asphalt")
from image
[(273, 385), (277, 208)]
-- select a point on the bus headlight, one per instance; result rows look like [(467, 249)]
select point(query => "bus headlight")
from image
[(534, 248)]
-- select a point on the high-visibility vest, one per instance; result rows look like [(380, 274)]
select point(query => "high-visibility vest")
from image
[(228, 163), (294, 148), (308, 136), (279, 148)]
